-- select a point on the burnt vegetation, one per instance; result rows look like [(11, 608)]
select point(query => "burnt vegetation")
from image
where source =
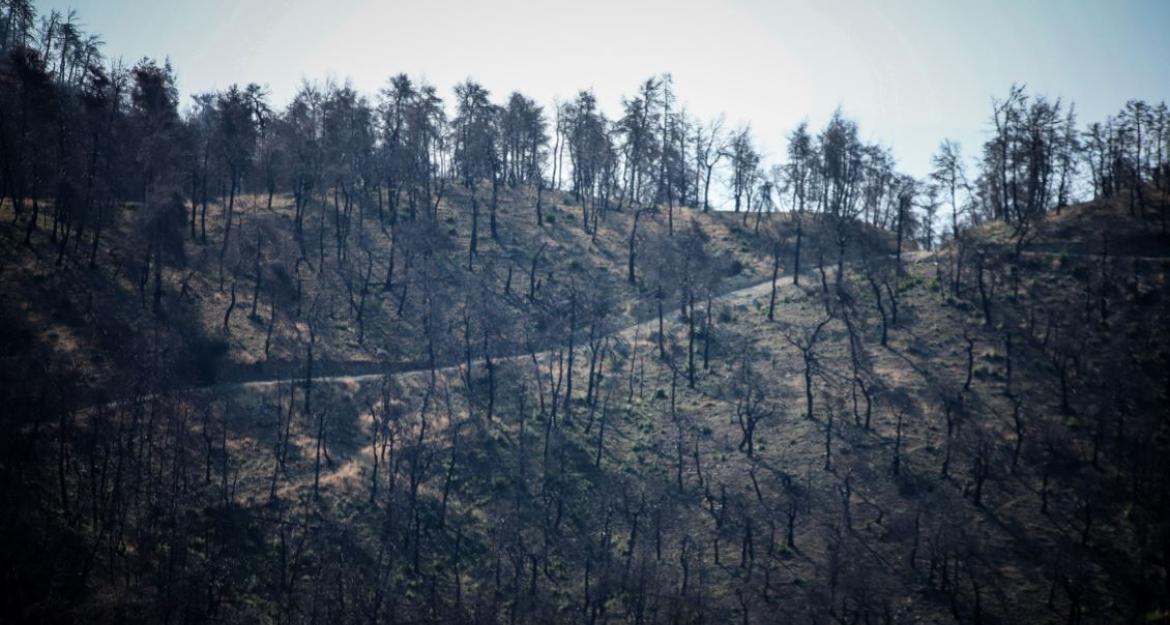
[(413, 357)]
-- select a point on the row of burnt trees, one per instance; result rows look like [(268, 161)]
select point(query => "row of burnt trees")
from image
[(1038, 160), (76, 152), (400, 148), (68, 133), (329, 140)]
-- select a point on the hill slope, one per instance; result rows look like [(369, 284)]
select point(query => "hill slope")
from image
[(888, 445)]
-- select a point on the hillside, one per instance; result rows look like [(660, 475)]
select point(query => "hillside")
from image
[(942, 473)]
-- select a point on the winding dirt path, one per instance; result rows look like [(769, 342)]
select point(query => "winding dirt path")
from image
[(640, 329), (360, 372)]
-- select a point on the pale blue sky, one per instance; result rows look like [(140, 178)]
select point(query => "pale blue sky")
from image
[(912, 72)]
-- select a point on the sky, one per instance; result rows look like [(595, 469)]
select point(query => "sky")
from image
[(911, 72)]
